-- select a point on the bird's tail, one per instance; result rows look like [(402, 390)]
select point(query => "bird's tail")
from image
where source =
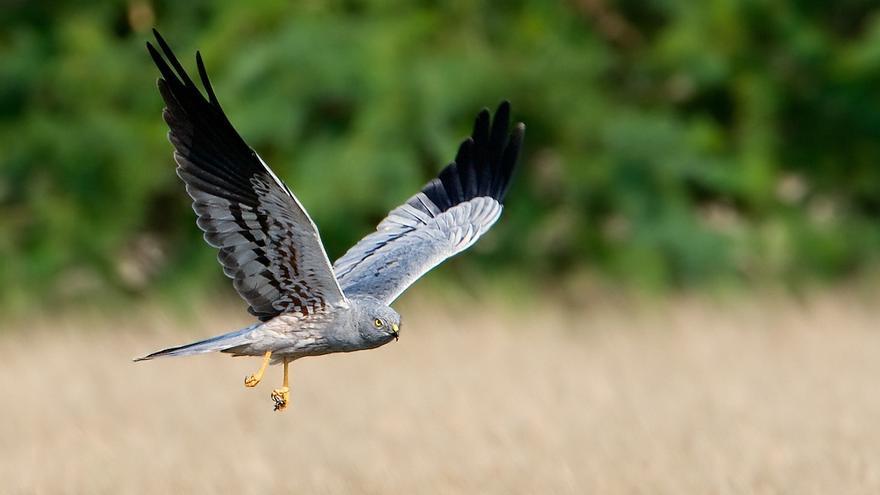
[(224, 342)]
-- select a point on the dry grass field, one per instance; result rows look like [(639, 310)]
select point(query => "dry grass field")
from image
[(686, 396)]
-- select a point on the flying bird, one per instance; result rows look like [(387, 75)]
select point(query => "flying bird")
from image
[(270, 247)]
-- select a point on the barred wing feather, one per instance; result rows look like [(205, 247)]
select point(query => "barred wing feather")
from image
[(268, 244), (446, 217)]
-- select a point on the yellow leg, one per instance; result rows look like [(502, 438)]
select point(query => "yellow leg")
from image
[(281, 396), (253, 380)]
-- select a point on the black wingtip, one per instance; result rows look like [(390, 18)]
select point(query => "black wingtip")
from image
[(159, 39), (172, 59), (509, 159), (167, 74), (153, 53), (163, 45), (464, 151), (485, 162), (203, 75), (502, 114), (480, 133), (501, 119)]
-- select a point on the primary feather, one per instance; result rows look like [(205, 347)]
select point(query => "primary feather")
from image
[(268, 244), (446, 217)]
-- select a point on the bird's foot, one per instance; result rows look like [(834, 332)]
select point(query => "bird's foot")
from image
[(252, 381), (281, 397)]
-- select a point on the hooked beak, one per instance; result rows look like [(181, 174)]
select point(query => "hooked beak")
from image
[(395, 330)]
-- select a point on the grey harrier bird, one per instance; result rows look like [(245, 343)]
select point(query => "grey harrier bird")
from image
[(271, 249)]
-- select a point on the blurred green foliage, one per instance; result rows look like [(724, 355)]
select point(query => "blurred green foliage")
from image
[(669, 144)]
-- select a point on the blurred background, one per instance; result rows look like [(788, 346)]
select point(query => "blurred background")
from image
[(700, 181)]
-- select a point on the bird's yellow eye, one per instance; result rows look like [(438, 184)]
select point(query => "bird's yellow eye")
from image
[(378, 323)]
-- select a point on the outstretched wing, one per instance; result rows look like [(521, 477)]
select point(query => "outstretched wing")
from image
[(449, 214), (268, 244)]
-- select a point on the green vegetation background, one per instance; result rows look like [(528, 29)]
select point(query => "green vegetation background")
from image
[(670, 143)]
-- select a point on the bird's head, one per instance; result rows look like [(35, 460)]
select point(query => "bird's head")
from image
[(379, 324)]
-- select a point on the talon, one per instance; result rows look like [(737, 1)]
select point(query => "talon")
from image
[(281, 397), (252, 380)]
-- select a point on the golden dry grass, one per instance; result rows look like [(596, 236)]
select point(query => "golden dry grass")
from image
[(685, 397)]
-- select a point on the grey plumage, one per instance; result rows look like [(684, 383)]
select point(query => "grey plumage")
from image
[(446, 217), (268, 244), (272, 250)]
